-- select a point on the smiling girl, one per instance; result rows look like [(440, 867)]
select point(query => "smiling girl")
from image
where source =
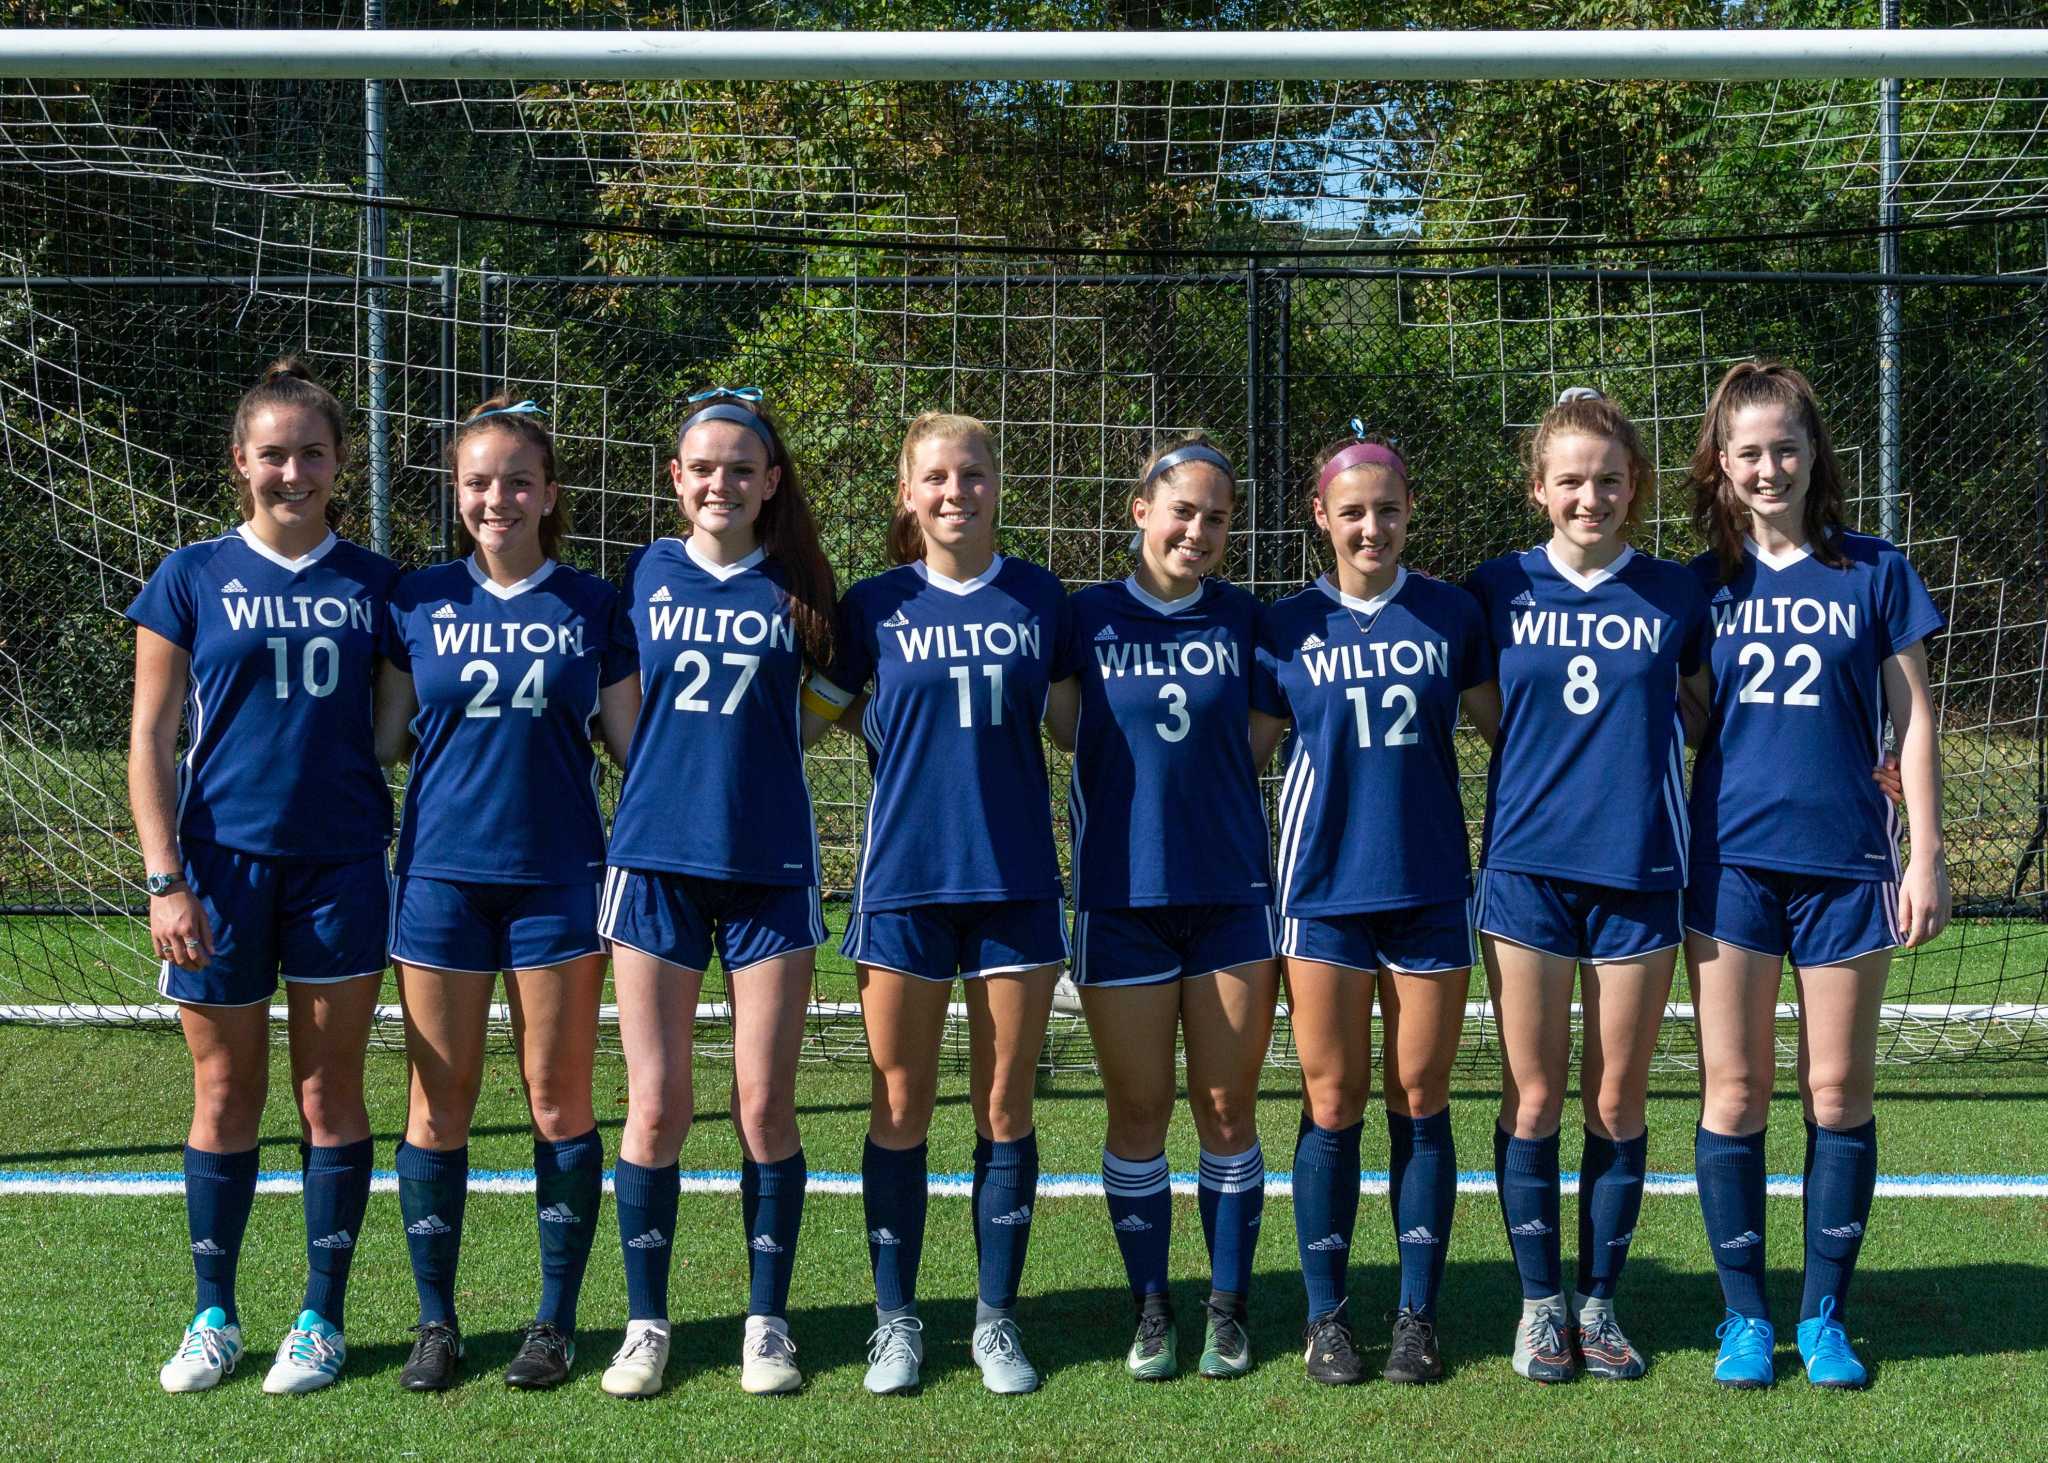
[(500, 665)]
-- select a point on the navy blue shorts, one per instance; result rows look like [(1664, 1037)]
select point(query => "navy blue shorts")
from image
[(944, 941), (1814, 919), (1573, 921), (1425, 940), (485, 928), (312, 923), (682, 919), (1115, 947)]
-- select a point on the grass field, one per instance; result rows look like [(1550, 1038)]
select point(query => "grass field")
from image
[(1949, 1306)]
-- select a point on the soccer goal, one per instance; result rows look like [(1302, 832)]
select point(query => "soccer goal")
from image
[(1087, 239)]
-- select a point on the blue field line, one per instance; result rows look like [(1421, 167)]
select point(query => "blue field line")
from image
[(21, 1182)]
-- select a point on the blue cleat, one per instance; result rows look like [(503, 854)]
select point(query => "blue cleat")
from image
[(1824, 1346), (1745, 1359)]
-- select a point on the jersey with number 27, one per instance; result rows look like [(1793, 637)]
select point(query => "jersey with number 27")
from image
[(1783, 780), (1587, 781)]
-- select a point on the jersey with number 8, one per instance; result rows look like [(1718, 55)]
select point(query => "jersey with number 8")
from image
[(715, 784), (1587, 781), (503, 788), (1783, 780)]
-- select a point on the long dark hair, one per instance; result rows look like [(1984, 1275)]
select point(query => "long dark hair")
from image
[(286, 382), (787, 531), (527, 427), (1717, 516)]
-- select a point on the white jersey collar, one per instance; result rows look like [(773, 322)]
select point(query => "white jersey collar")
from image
[(1587, 583), (1164, 606), (508, 591), (937, 580), (1784, 560), (723, 572), (306, 560), (1365, 606)]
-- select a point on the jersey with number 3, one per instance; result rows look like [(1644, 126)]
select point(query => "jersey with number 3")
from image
[(1370, 817), (961, 810), (280, 759), (1164, 803), (504, 778), (1783, 781), (715, 784), (1587, 781)]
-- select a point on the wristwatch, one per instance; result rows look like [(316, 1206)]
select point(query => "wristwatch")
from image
[(158, 884)]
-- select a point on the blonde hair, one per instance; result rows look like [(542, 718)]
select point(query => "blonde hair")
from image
[(906, 539)]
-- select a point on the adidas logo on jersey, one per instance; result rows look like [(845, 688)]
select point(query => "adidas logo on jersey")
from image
[(1724, 595), (896, 621), (1132, 1224), (764, 1244), (234, 586), (1107, 632), (1851, 1230), (1743, 1241), (1314, 642), (206, 1247), (1524, 598), (341, 1239), (660, 596), (654, 1239), (432, 1224), (1419, 1235), (884, 1236), (1020, 1215), (446, 612), (1327, 1243), (1529, 1228), (1620, 1241), (559, 1214)]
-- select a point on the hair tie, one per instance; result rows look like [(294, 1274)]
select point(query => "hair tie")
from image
[(1192, 452), (1360, 453), (527, 408), (1579, 393)]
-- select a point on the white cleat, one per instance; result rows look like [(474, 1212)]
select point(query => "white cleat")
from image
[(636, 1371), (212, 1346), (768, 1357), (310, 1357)]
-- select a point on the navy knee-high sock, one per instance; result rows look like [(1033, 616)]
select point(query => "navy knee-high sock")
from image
[(1231, 1191), (1006, 1191), (1840, 1182), (1422, 1191), (337, 1189), (220, 1189), (646, 1198), (568, 1193), (1527, 1180), (1731, 1180), (1141, 1215), (894, 1192), (1325, 1210), (432, 1189), (1610, 1202), (772, 1203)]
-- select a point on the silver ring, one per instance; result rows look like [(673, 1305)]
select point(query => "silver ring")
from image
[(191, 944)]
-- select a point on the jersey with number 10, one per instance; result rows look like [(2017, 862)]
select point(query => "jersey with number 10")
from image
[(1370, 817), (715, 785), (1164, 803), (961, 810), (1783, 781), (1587, 781), (504, 779)]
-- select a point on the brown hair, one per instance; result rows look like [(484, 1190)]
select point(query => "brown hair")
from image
[(1148, 486), (788, 532), (526, 426), (1592, 415), (286, 382), (906, 539), (1717, 516), (1329, 454)]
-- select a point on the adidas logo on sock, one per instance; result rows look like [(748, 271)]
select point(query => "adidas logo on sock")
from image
[(654, 1239), (1620, 1241), (1419, 1235), (884, 1236), (446, 612), (1020, 1215), (1743, 1241), (341, 1239), (1107, 632), (660, 596), (896, 621), (1851, 1230), (559, 1214), (1524, 598), (206, 1247), (1529, 1228), (1314, 642), (234, 586), (1253, 1222), (1328, 1243), (764, 1244), (1132, 1224), (432, 1224)]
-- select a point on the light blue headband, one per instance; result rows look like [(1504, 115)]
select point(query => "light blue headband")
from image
[(1193, 452), (527, 408), (723, 411)]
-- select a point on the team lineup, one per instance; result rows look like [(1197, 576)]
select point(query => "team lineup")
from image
[(297, 666)]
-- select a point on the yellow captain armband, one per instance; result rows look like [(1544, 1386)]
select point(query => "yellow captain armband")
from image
[(822, 698)]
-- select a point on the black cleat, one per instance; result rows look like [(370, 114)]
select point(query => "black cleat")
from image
[(431, 1366), (543, 1360), (1332, 1358), (1413, 1356)]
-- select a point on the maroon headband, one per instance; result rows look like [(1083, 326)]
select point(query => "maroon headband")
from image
[(1359, 454)]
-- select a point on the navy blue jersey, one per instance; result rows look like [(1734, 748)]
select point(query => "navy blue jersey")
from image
[(1164, 801), (504, 779), (1783, 780), (715, 785), (281, 758), (1587, 781), (961, 811), (1370, 816)]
